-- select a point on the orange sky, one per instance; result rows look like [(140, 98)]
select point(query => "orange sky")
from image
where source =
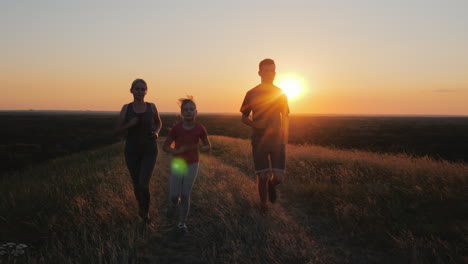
[(360, 58)]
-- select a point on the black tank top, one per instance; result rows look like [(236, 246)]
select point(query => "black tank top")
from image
[(139, 137)]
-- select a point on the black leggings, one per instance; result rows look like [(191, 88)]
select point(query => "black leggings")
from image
[(141, 168)]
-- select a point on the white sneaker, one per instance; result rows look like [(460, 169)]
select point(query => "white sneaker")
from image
[(182, 228)]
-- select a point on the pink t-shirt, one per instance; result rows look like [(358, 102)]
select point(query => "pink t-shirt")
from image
[(188, 137)]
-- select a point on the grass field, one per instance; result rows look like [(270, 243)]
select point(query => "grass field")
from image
[(30, 137), (336, 206)]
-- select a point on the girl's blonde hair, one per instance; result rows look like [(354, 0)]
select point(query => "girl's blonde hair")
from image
[(184, 101)]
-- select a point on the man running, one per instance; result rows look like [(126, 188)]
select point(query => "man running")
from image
[(269, 107)]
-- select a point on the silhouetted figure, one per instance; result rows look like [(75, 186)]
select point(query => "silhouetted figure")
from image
[(184, 162), (142, 122), (269, 107)]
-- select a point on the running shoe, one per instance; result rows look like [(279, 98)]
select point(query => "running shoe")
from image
[(182, 228)]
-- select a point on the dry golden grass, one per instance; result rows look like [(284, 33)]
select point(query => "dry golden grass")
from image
[(227, 226), (416, 205), (335, 207), (74, 209)]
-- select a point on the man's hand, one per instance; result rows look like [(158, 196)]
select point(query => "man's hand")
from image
[(261, 124)]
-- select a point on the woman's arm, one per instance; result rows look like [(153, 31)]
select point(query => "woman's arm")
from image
[(157, 120), (121, 125)]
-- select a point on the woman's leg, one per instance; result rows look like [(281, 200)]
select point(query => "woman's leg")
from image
[(133, 165), (146, 171)]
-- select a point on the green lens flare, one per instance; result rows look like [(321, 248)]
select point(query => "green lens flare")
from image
[(179, 166)]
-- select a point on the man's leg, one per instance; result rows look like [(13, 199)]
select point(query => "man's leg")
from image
[(262, 181), (277, 177), (278, 163), (262, 169)]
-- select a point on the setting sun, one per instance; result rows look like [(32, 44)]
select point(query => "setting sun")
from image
[(291, 86)]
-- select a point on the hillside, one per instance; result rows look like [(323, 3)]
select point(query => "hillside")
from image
[(335, 206), (31, 137)]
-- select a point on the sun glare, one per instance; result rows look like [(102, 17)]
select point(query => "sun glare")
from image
[(291, 86)]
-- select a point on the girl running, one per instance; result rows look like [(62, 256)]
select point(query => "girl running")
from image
[(184, 163)]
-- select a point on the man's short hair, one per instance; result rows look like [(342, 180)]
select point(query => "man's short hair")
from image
[(265, 62)]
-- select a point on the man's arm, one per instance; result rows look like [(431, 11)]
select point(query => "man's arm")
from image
[(246, 109), (255, 124), (285, 127), (285, 122)]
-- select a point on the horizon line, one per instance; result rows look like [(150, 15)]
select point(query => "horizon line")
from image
[(236, 113)]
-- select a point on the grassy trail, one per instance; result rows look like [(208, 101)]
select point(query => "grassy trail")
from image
[(370, 208), (226, 225), (335, 207), (341, 246)]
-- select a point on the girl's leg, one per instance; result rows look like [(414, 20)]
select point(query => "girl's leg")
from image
[(175, 187), (189, 179)]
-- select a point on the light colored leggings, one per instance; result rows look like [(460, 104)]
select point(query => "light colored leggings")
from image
[(181, 187)]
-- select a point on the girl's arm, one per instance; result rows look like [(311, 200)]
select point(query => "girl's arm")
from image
[(157, 120), (121, 125), (167, 147), (206, 147)]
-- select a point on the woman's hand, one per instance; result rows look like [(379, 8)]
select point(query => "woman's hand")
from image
[(133, 122), (153, 136)]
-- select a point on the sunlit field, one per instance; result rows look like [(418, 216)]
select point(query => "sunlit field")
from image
[(336, 206), (33, 136)]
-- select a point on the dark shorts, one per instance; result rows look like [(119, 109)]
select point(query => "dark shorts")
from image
[(268, 155)]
